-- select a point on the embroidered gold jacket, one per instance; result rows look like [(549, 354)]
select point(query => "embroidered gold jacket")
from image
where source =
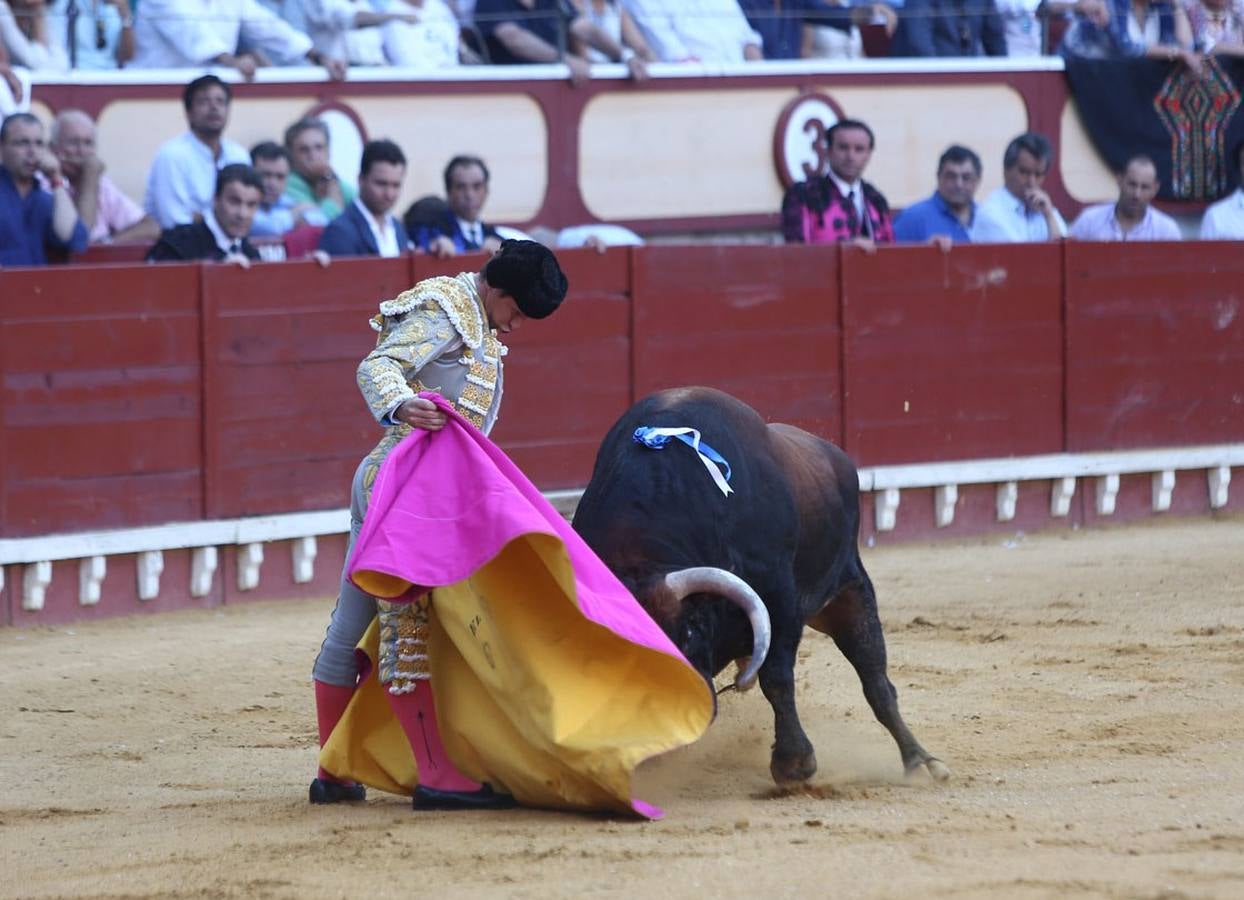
[(433, 337)]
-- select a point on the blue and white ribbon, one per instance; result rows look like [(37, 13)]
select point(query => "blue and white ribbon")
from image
[(658, 438)]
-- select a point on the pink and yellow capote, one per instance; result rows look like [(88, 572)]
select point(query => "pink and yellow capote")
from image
[(551, 682)]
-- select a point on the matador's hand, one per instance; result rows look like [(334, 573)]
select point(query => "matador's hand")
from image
[(421, 413)]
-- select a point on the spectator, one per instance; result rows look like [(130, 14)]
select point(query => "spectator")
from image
[(1114, 29), (101, 35), (949, 213), (182, 180), (530, 31), (824, 41), (1020, 210), (106, 212), (780, 23), (31, 36), (1131, 217), (313, 179), (839, 206), (367, 227), (195, 33), (30, 217), (949, 28), (277, 212), (221, 234), (1022, 26), (1217, 26), (461, 228), (611, 35), (711, 31), (1224, 220), (414, 33)]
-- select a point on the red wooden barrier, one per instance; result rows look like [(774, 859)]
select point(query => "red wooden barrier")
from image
[(952, 356), (285, 424), (1155, 345), (100, 399), (759, 322)]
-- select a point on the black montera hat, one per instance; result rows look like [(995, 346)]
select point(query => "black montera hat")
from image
[(529, 273)]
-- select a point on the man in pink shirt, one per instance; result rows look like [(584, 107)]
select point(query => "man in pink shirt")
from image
[(109, 215), (1132, 217)]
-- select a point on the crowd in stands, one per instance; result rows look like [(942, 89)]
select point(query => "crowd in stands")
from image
[(207, 197), (56, 35), (841, 206)]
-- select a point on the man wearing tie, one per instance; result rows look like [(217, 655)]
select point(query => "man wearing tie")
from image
[(368, 227), (461, 229), (221, 234), (839, 205)]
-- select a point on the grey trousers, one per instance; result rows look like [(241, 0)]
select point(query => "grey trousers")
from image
[(354, 611)]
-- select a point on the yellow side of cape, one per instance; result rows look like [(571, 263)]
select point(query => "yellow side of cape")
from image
[(532, 697)]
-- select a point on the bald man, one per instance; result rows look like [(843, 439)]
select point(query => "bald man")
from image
[(109, 215)]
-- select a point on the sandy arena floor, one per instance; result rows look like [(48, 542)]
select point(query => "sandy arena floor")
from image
[(1087, 690)]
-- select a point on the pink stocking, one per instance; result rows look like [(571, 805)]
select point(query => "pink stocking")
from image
[(416, 711), (331, 701)]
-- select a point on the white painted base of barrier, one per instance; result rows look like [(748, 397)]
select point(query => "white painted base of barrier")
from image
[(886, 483)]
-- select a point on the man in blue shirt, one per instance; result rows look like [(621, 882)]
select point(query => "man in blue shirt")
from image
[(947, 216), (32, 218)]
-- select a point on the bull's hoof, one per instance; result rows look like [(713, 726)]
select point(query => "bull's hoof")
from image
[(937, 769), (788, 770)]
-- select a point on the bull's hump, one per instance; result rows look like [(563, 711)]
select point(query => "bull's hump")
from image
[(676, 398)]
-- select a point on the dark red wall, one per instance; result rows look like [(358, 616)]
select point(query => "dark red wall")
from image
[(952, 355), (135, 395), (1155, 344)]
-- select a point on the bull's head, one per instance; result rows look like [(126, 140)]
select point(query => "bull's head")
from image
[(691, 628)]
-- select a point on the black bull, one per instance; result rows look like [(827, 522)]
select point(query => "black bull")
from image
[(788, 532)]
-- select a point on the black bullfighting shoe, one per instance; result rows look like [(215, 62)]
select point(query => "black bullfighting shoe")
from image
[(325, 791), (484, 798)]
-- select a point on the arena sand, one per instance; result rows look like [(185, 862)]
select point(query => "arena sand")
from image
[(1087, 689)]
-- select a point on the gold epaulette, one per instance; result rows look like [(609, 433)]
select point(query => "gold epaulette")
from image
[(452, 297)]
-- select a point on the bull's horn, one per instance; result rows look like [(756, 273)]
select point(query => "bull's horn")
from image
[(707, 580)]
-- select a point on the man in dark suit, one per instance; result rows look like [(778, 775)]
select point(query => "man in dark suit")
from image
[(221, 234), (460, 229), (367, 227), (949, 28)]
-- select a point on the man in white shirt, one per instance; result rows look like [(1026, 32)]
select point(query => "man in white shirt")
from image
[(173, 34), (1132, 217), (1020, 211), (182, 180), (414, 33), (368, 227), (1224, 220), (709, 31)]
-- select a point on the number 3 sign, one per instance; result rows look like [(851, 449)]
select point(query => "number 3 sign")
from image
[(799, 138)]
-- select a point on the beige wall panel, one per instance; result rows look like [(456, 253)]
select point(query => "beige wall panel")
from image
[(693, 153), (915, 124), (507, 131), (705, 154), (130, 132), (1085, 175)]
